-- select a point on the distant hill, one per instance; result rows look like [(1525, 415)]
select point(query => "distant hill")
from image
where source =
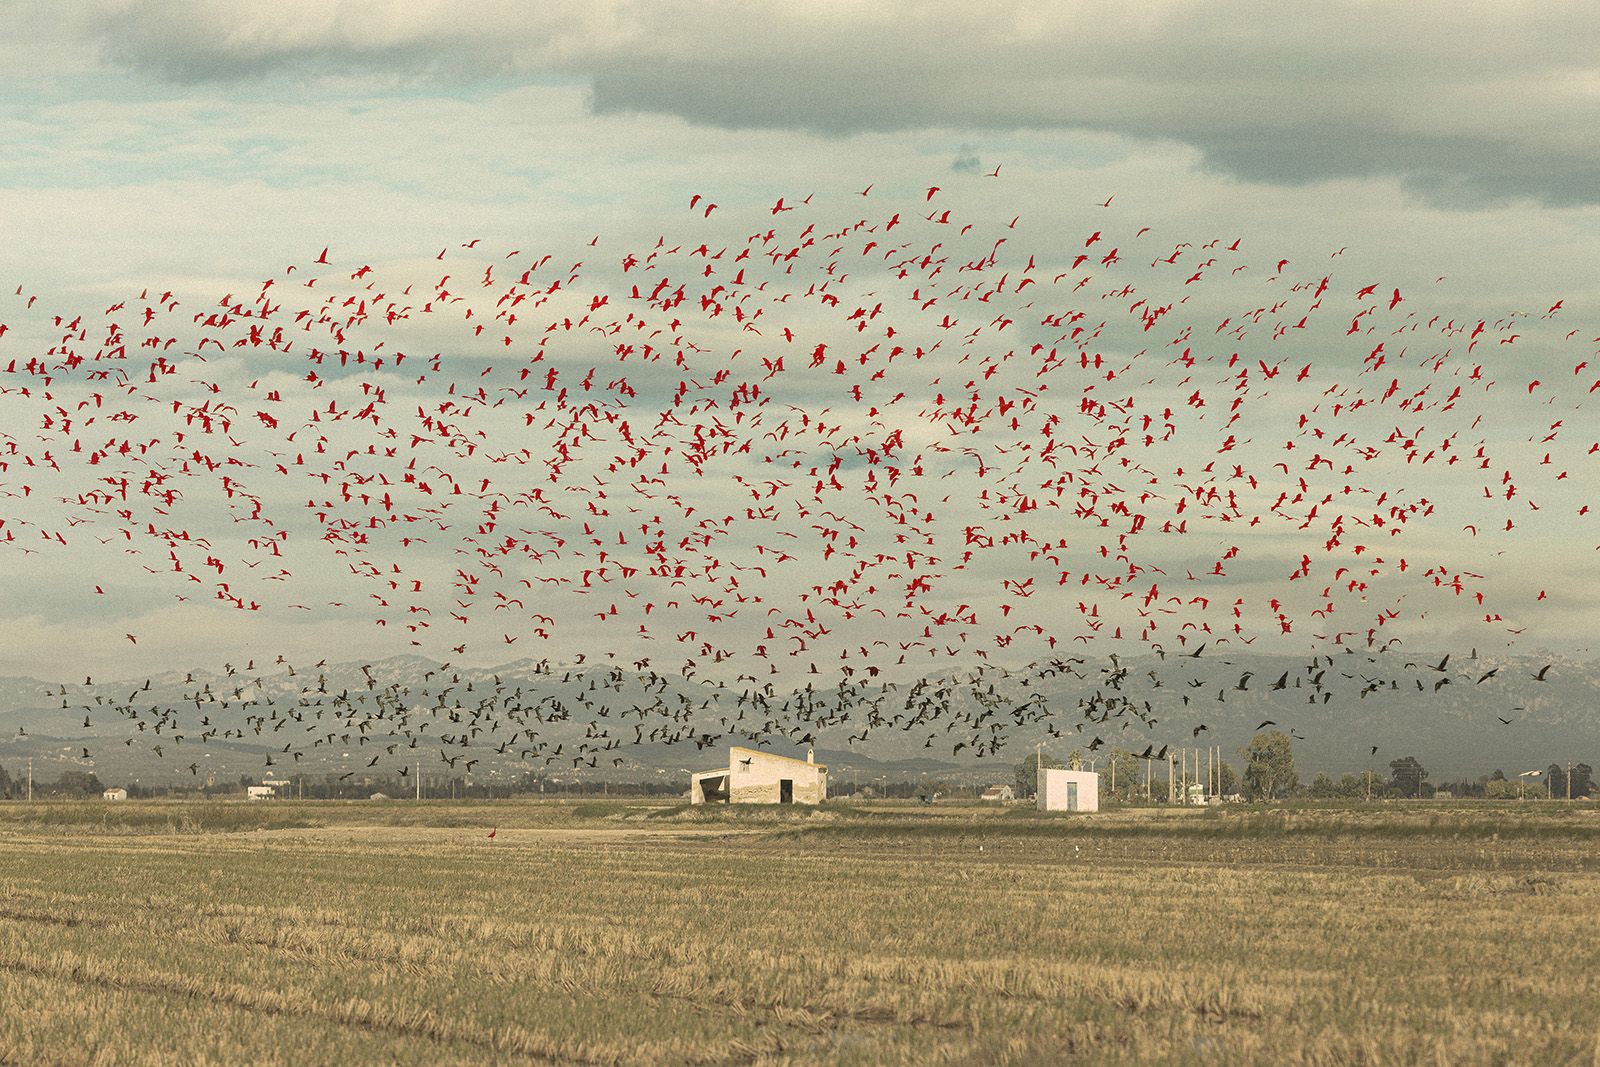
[(1338, 708)]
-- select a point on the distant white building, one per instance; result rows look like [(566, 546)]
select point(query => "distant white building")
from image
[(261, 792), (1065, 790), (114, 794), (756, 777), (998, 794)]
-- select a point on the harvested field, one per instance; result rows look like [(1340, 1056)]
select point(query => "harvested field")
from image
[(627, 933)]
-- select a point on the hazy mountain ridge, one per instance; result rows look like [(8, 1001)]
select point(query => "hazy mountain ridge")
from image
[(1402, 704)]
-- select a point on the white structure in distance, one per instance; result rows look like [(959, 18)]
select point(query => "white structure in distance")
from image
[(757, 777), (1064, 790)]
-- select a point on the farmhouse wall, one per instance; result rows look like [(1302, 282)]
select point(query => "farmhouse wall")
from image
[(758, 781)]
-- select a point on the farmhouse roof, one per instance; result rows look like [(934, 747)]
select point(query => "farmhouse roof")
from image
[(774, 755)]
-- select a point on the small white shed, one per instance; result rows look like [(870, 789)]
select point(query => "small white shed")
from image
[(115, 794), (1064, 790), (261, 792)]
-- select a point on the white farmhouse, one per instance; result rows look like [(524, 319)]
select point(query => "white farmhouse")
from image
[(756, 777)]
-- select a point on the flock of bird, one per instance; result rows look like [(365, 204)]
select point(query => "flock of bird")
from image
[(790, 468), (359, 716)]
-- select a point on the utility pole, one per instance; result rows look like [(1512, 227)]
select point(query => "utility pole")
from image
[(1569, 779), (1172, 781), (30, 778), (419, 779)]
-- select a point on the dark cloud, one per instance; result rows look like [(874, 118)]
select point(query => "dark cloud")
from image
[(1461, 104)]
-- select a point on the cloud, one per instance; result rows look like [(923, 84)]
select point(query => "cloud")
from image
[(1463, 104), (267, 134)]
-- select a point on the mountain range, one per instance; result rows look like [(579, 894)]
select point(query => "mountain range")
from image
[(1462, 717)]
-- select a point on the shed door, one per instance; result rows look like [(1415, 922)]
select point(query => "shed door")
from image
[(1072, 796), (786, 791)]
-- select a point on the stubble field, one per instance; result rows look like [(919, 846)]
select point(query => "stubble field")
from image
[(632, 933)]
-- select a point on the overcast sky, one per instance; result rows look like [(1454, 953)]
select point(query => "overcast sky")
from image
[(201, 147)]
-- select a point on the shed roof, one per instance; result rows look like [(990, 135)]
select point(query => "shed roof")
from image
[(774, 755)]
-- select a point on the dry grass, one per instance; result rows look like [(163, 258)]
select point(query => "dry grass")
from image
[(626, 934)]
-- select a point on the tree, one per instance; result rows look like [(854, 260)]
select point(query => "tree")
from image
[(1556, 777), (1028, 776), (5, 784), (1227, 779), (78, 783), (1407, 776), (1269, 767), (1124, 771), (1323, 788), (1582, 779), (1502, 789)]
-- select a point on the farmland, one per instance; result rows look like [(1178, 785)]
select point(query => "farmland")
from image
[(623, 932)]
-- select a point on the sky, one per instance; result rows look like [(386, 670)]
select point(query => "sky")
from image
[(200, 148)]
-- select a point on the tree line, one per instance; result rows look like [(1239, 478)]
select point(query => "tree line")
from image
[(76, 784), (1269, 773)]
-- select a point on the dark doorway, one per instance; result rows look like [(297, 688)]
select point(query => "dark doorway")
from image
[(785, 790)]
